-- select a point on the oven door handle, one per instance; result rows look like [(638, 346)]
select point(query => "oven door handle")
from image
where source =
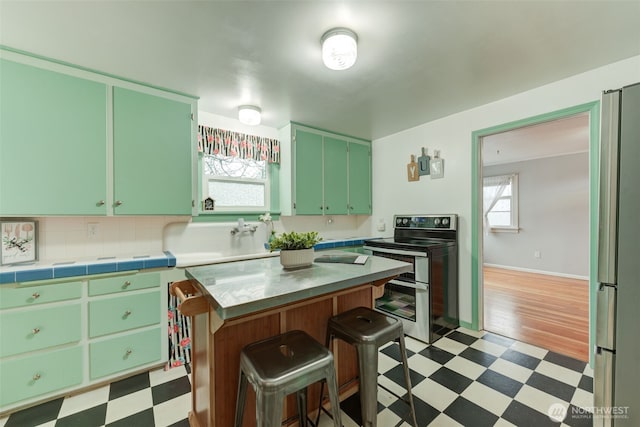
[(415, 285), (395, 251)]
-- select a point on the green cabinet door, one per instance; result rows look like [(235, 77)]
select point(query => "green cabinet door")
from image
[(38, 374), (52, 143), (308, 173), (335, 177), (152, 157), (359, 178)]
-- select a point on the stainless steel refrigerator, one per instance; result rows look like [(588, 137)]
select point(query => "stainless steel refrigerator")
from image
[(617, 353)]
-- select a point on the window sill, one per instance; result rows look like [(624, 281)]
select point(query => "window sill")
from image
[(504, 229), (222, 216)]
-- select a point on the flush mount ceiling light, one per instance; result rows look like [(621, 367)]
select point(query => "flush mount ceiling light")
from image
[(339, 48), (249, 115)]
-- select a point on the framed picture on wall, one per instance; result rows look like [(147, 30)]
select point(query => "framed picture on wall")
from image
[(19, 241)]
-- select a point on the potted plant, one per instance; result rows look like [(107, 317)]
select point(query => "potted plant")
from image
[(296, 249)]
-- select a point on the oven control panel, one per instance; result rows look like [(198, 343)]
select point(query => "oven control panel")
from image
[(440, 222)]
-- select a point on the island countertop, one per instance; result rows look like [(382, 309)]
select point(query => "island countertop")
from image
[(243, 287)]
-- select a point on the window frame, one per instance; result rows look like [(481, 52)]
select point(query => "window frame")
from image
[(205, 179), (514, 225)]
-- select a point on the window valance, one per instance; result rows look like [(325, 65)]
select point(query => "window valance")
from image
[(235, 144)]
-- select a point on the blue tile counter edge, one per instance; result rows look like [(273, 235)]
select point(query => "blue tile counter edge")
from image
[(85, 269), (331, 244)]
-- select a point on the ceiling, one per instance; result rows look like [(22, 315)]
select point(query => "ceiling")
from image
[(417, 61), (569, 135)]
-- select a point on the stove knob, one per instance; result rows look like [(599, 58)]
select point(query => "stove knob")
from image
[(398, 221), (405, 220), (436, 221), (445, 221)]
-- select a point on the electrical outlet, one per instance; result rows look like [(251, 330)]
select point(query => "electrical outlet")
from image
[(537, 254), (93, 230)]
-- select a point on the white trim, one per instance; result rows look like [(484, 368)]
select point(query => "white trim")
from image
[(531, 270)]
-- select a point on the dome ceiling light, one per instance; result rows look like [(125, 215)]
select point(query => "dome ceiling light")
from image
[(339, 48), (249, 115)]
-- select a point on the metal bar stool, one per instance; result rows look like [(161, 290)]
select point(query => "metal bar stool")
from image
[(279, 366), (367, 330)]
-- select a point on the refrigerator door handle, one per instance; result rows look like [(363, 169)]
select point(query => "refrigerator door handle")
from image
[(606, 317), (608, 201), (603, 384)]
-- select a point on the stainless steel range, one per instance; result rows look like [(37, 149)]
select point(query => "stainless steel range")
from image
[(425, 300)]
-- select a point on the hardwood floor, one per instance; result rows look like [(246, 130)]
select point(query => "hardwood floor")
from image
[(547, 311)]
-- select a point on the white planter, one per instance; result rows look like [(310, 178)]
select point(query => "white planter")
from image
[(297, 258)]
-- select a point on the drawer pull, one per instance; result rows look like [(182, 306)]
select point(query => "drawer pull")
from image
[(128, 352), (36, 330), (36, 377), (35, 295), (127, 313), (126, 284)]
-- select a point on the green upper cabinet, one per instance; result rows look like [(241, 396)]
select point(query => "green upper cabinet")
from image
[(152, 155), (53, 144), (336, 200), (327, 174), (359, 179), (308, 174)]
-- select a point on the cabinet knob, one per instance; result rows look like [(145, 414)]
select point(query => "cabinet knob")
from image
[(118, 202), (126, 284), (128, 352), (127, 313), (36, 377), (35, 295), (321, 207), (101, 203), (35, 330), (327, 208)]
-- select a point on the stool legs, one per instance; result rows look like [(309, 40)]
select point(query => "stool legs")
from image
[(407, 379), (332, 385), (301, 399), (269, 409), (241, 398), (368, 369)]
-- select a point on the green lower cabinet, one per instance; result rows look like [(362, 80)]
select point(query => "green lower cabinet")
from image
[(31, 376), (122, 353), (123, 313), (29, 330)]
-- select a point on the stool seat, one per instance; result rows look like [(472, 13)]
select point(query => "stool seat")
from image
[(363, 325), (282, 365), (367, 330)]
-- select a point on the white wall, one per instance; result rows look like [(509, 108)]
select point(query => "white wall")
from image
[(392, 193), (553, 196)]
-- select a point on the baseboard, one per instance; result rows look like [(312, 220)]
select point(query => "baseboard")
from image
[(531, 270)]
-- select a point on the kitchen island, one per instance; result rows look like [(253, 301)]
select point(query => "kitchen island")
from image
[(246, 301)]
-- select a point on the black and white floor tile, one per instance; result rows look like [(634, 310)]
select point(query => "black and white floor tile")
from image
[(467, 378)]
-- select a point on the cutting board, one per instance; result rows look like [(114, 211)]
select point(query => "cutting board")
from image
[(423, 162)]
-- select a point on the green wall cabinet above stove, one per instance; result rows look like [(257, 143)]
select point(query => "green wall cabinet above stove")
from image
[(76, 142), (329, 174), (52, 142)]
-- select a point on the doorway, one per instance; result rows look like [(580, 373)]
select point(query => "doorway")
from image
[(536, 270), (536, 234)]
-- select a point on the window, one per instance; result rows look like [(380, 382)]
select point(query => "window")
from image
[(236, 184), (500, 202)]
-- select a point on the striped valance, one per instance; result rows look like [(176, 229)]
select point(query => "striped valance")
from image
[(235, 144)]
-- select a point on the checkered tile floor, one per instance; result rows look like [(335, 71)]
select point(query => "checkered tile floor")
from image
[(467, 378)]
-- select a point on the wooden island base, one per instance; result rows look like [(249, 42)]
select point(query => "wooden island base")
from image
[(216, 346)]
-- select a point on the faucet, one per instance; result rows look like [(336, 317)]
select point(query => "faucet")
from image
[(242, 227)]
